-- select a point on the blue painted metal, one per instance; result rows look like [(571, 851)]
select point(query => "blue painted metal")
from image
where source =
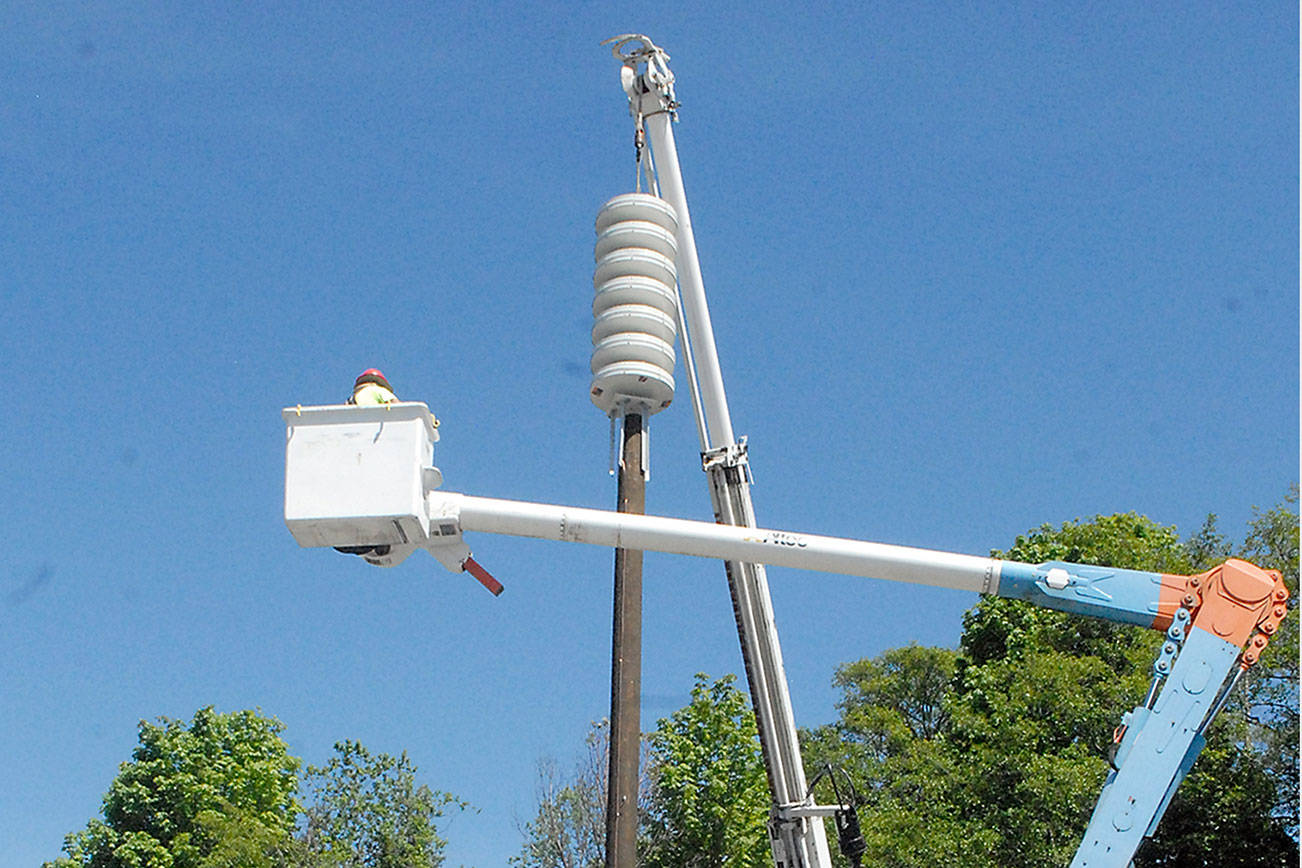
[(1133, 721), (1195, 748), (1125, 596), (1159, 747), (1175, 634)]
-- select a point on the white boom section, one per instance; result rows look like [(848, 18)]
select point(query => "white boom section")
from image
[(696, 313), (720, 541), (797, 840)]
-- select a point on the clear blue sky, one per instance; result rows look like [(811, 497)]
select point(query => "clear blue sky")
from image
[(972, 266)]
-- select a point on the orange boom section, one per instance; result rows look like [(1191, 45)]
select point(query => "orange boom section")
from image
[(1233, 601)]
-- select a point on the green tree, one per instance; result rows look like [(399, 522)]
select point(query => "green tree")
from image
[(703, 798), (1271, 704), (367, 811), (896, 697), (709, 798), (890, 738), (889, 703), (217, 791), (1003, 769), (220, 791)]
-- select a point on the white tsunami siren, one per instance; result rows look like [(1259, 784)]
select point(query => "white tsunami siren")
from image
[(635, 308)]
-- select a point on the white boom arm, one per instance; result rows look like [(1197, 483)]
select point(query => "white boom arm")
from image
[(704, 539)]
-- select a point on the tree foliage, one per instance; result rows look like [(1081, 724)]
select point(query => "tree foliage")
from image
[(893, 715), (569, 829), (216, 791), (709, 798), (897, 696), (367, 811), (994, 755), (221, 791), (1270, 697), (703, 798)]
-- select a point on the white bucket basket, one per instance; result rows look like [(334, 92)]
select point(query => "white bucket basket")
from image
[(358, 475)]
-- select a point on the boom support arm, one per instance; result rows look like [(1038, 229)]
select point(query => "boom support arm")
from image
[(1225, 618), (1241, 592), (1217, 623)]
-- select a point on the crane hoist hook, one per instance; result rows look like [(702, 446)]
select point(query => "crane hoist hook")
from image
[(644, 74), (632, 49), (645, 47)]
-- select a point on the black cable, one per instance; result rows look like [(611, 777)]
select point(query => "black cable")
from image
[(849, 835)]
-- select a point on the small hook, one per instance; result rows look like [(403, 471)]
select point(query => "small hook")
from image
[(645, 47)]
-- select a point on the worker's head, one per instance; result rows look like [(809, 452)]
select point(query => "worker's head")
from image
[(371, 375)]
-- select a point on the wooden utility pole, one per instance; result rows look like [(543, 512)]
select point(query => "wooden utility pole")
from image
[(626, 664)]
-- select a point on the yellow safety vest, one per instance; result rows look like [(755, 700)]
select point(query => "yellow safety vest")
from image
[(373, 393)]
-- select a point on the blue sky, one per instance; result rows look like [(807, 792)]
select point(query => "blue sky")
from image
[(972, 267)]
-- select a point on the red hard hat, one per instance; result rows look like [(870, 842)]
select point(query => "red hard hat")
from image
[(371, 375)]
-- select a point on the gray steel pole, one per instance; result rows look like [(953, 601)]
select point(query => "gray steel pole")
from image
[(626, 664)]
